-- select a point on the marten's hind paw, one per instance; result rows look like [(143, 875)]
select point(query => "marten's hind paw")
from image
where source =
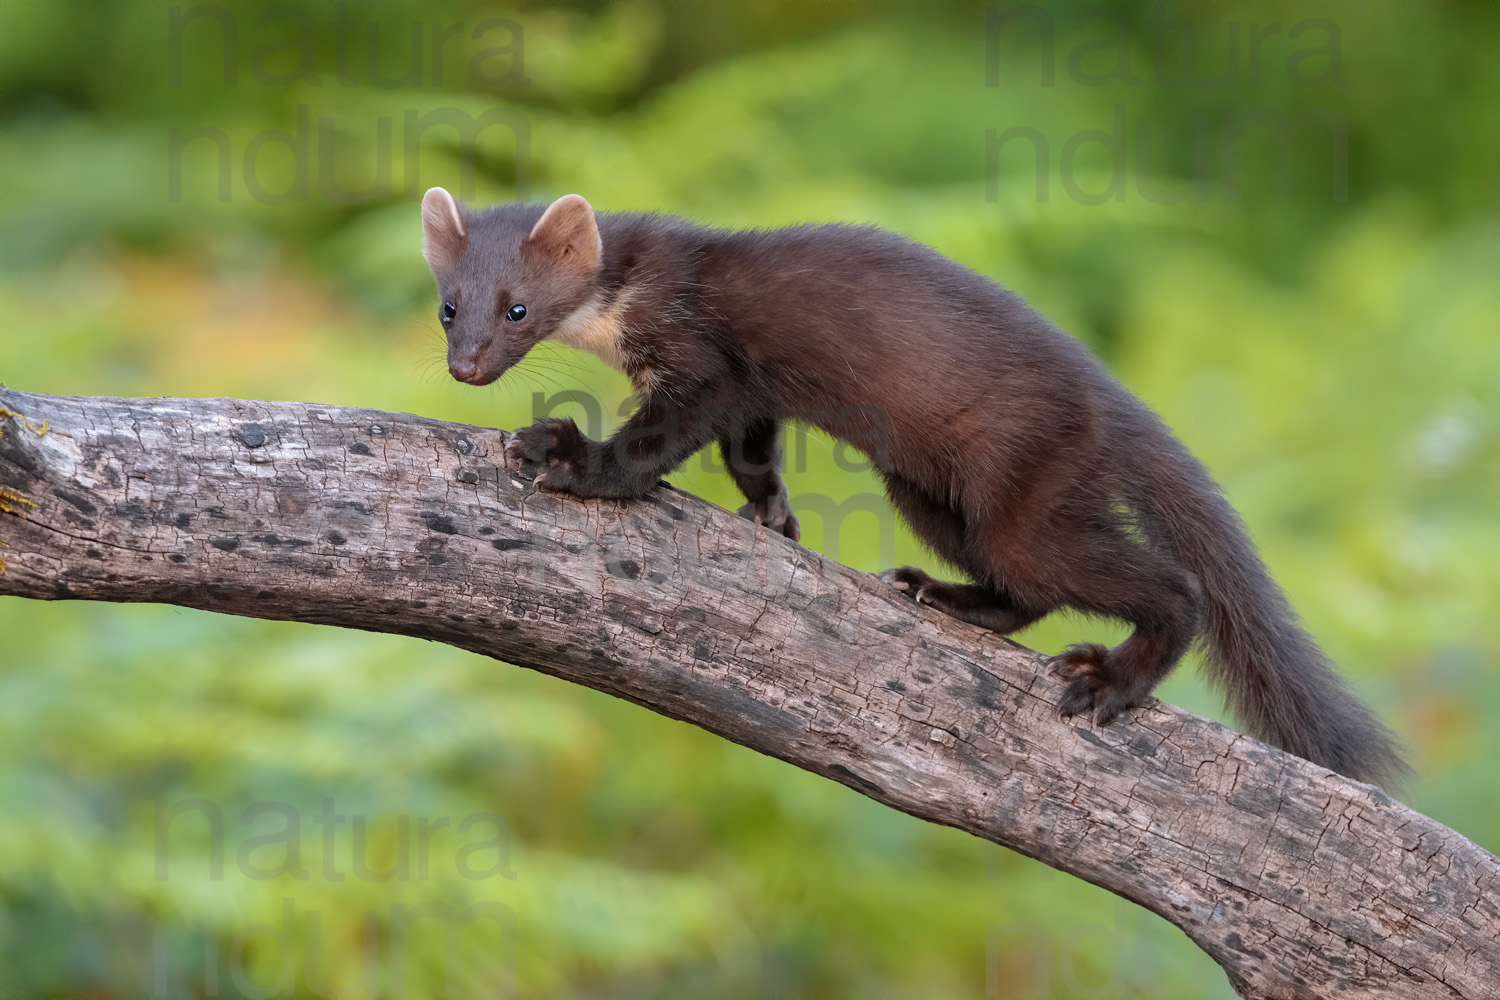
[(1092, 687), (912, 582)]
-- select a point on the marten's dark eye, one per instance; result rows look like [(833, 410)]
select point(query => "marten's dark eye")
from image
[(516, 313), (449, 311)]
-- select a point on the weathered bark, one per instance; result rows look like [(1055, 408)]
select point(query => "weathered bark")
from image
[(1300, 883)]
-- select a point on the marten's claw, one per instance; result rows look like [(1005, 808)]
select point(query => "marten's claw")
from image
[(1092, 688), (547, 451), (557, 477), (912, 582), (773, 512)]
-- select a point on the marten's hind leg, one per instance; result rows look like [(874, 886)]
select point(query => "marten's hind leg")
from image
[(1117, 578), (943, 529), (973, 603)]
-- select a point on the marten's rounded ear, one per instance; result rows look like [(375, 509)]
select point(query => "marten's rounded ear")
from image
[(568, 232), (443, 233)]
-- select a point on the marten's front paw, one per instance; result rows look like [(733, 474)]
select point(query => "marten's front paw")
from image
[(549, 451), (1092, 687), (774, 512)]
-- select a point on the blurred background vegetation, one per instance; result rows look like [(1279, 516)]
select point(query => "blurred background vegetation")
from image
[(1321, 331)]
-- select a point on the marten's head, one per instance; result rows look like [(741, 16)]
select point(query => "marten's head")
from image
[(509, 277)]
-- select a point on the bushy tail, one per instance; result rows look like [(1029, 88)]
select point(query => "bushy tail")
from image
[(1277, 681)]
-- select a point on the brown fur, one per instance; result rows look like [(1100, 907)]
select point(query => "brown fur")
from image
[(1002, 441)]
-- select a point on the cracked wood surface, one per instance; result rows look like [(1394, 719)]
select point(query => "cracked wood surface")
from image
[(1299, 882)]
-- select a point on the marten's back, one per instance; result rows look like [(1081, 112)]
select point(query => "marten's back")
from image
[(957, 369)]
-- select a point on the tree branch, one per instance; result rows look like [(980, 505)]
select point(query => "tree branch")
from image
[(1299, 882)]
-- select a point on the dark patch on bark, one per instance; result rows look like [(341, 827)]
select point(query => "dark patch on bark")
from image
[(986, 687), (76, 499), (432, 547), (274, 541), (841, 773), (1143, 743), (250, 435), (1089, 736), (1234, 942), (625, 569), (23, 458), (439, 522), (136, 513)]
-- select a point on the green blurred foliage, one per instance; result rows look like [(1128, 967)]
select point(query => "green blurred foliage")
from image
[(1333, 356)]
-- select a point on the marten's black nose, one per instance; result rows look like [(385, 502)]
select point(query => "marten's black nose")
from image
[(462, 370)]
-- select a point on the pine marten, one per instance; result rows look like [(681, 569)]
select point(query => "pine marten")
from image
[(1004, 442)]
